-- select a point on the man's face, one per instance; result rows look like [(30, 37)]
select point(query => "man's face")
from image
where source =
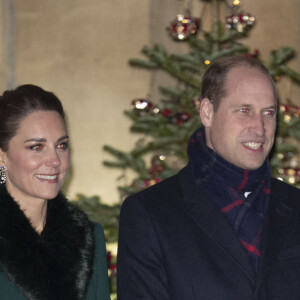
[(242, 130)]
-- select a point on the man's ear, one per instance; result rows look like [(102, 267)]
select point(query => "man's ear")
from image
[(206, 112)]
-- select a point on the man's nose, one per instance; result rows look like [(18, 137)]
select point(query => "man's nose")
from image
[(258, 125)]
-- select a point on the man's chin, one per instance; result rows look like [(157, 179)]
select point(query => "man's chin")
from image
[(251, 166)]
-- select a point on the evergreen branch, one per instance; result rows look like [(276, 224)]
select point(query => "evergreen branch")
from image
[(228, 52), (143, 64), (114, 152), (187, 58), (231, 35), (190, 67), (124, 160), (157, 144), (180, 75), (281, 56), (200, 45), (293, 75), (170, 91)]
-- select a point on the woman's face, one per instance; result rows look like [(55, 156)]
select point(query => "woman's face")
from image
[(38, 157)]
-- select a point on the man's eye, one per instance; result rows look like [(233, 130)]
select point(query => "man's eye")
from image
[(63, 146), (244, 109), (270, 113), (38, 147)]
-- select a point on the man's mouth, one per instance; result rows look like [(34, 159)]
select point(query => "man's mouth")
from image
[(253, 145)]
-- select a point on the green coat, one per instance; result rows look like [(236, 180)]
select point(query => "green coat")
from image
[(68, 258)]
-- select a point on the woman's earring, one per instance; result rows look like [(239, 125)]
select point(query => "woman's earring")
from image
[(2, 175)]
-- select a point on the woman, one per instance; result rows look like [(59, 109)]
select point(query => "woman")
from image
[(48, 248)]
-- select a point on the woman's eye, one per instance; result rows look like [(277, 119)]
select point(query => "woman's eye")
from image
[(63, 146), (36, 147)]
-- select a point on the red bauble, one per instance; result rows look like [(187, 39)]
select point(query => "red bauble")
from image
[(109, 257), (253, 55), (166, 113)]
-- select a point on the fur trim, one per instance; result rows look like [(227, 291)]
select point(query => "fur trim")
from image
[(54, 265)]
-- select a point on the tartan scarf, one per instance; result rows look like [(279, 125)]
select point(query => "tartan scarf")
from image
[(226, 184)]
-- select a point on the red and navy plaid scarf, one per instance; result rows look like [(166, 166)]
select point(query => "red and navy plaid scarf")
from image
[(226, 185)]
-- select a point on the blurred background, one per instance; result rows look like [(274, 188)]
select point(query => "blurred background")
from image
[(80, 51)]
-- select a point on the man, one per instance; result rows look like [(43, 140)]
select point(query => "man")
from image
[(222, 228)]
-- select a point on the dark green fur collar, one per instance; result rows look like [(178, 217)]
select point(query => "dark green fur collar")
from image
[(54, 265)]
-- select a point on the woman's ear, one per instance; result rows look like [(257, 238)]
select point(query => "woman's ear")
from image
[(206, 112), (2, 155)]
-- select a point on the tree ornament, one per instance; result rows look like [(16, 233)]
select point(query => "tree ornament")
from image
[(291, 111), (143, 106), (167, 113), (183, 27), (238, 20), (290, 175), (182, 118), (255, 54), (157, 166)]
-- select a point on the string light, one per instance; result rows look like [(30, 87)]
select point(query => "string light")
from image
[(276, 78)]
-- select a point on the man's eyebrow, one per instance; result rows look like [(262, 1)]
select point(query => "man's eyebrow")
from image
[(272, 106), (251, 105), (242, 104)]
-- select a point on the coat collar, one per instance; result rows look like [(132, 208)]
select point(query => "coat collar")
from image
[(205, 213), (54, 265)]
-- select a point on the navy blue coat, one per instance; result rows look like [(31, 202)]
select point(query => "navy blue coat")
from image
[(174, 243)]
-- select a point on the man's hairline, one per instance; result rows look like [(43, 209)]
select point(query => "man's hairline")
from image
[(240, 65)]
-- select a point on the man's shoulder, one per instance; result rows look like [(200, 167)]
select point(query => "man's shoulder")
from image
[(163, 196), (286, 192), (281, 186), (161, 189)]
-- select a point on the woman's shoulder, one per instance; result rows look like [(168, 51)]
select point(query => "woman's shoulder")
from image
[(98, 287), (98, 233)]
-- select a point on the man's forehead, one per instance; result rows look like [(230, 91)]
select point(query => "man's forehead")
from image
[(245, 70), (245, 76)]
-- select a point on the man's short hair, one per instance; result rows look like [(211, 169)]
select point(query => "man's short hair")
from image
[(214, 79)]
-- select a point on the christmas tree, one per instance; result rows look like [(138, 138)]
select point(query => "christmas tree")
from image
[(166, 125)]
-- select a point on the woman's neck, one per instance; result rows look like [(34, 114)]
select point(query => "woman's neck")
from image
[(36, 214), (34, 209)]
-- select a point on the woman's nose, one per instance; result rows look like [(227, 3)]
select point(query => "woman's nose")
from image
[(53, 159)]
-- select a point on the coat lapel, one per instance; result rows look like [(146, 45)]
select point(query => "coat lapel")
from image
[(276, 228), (205, 213)]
